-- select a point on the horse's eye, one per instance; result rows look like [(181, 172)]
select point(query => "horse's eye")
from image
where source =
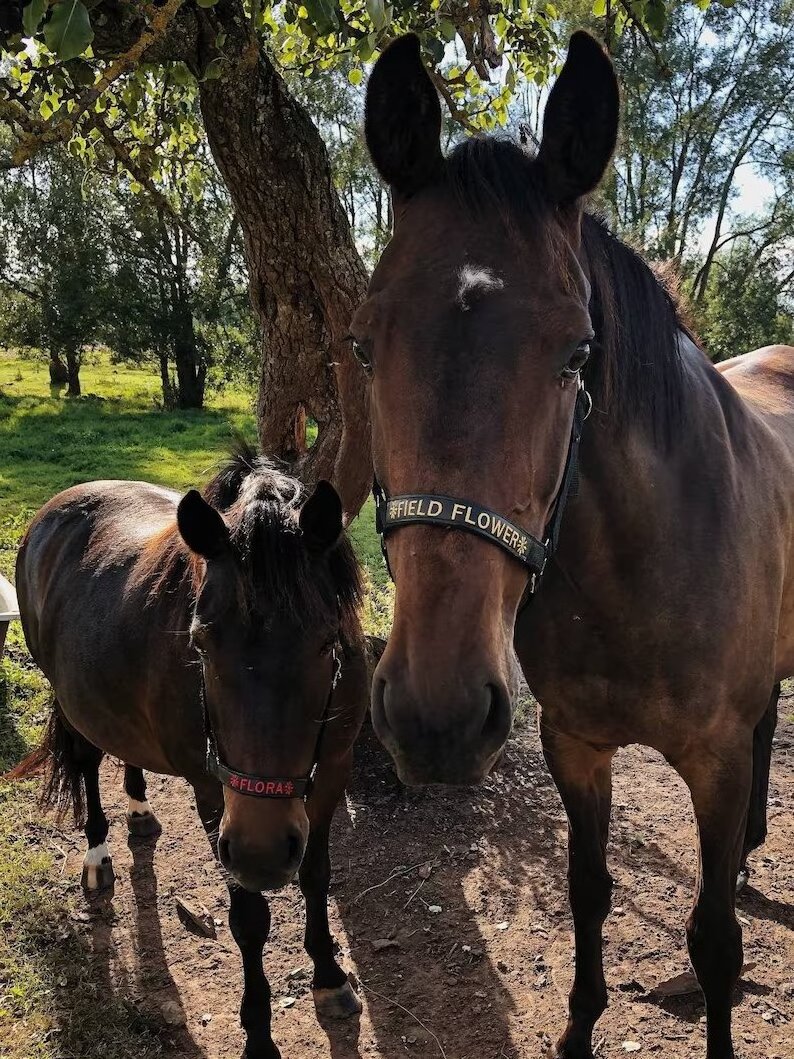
[(362, 356), (577, 361)]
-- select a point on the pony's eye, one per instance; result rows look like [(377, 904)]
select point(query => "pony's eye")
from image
[(577, 361), (362, 356)]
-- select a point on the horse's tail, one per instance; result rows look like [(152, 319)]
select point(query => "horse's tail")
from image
[(56, 756)]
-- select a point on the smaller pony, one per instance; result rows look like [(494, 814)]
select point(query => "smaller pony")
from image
[(216, 638)]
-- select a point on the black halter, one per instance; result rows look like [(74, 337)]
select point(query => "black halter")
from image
[(268, 786), (412, 508)]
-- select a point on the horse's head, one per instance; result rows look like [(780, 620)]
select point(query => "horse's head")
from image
[(474, 331), (275, 600)]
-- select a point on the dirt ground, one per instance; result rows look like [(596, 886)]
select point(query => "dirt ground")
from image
[(468, 887)]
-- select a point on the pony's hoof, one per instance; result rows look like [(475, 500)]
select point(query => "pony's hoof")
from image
[(742, 879), (271, 1053), (340, 1003), (143, 825), (98, 876)]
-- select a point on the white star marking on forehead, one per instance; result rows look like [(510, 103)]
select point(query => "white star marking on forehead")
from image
[(475, 281)]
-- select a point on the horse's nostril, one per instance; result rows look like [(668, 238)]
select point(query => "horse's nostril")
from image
[(224, 852), (294, 847), (497, 720)]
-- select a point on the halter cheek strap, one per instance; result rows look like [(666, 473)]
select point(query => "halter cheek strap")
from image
[(438, 510), (267, 786)]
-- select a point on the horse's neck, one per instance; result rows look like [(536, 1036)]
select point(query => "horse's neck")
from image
[(643, 500)]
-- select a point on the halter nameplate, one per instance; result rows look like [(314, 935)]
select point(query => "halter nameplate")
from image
[(412, 508), (257, 786), (462, 514), (268, 786)]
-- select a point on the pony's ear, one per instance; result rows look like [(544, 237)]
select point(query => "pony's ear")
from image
[(402, 118), (320, 518), (580, 125), (201, 527)]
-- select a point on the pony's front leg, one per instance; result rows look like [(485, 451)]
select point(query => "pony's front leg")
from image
[(249, 922), (334, 996), (583, 776)]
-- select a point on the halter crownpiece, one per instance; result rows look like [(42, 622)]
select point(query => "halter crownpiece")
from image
[(267, 786), (438, 510)]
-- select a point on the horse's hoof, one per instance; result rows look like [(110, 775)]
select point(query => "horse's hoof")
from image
[(98, 876), (143, 825), (339, 1003), (742, 879), (271, 1053)]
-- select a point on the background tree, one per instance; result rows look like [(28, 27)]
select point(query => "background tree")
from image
[(714, 96), (306, 276)]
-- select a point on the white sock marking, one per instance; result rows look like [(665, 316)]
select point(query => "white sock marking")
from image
[(142, 808), (94, 859)]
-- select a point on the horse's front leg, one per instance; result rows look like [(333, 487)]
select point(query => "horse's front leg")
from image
[(583, 776), (719, 777), (334, 996), (249, 922)]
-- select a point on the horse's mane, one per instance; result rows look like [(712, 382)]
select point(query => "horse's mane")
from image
[(260, 504), (636, 373)]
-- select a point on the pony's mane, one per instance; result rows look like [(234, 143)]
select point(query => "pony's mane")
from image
[(260, 504), (636, 373)]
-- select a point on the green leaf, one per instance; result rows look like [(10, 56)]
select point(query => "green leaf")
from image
[(600, 8), (376, 9), (447, 29), (68, 32), (355, 76), (323, 14), (32, 15)]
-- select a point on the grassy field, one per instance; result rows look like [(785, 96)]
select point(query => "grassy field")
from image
[(48, 442)]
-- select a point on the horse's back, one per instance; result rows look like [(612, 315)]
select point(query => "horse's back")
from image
[(765, 380), (102, 525)]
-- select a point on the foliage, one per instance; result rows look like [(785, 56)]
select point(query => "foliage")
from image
[(715, 96), (746, 304)]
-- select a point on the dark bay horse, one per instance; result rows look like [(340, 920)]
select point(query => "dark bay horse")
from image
[(537, 401), (217, 638)]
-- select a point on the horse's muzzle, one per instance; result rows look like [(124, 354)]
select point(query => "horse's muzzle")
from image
[(437, 738)]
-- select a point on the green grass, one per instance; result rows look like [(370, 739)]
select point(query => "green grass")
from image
[(49, 990)]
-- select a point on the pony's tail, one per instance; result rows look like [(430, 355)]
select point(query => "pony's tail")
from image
[(56, 756)]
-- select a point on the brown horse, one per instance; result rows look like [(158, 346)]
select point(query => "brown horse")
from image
[(503, 326), (122, 589)]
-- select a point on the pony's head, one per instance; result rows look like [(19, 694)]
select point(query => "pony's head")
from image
[(476, 327), (276, 595)]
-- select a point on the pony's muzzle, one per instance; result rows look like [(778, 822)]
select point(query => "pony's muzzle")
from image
[(264, 853), (438, 737)]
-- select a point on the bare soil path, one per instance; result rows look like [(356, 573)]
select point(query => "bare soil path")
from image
[(453, 905)]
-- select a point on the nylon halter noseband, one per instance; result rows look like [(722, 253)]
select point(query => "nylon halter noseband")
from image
[(436, 510), (268, 786)]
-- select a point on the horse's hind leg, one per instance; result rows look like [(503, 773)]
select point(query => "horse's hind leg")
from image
[(755, 834), (719, 779), (583, 776), (141, 821), (97, 865)]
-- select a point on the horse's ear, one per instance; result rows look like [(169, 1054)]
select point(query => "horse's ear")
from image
[(201, 527), (402, 118), (320, 518), (580, 125)]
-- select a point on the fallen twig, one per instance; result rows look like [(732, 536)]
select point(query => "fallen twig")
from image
[(416, 1018)]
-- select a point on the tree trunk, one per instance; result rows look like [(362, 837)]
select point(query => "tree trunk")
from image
[(306, 277), (59, 373), (191, 371), (73, 374)]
